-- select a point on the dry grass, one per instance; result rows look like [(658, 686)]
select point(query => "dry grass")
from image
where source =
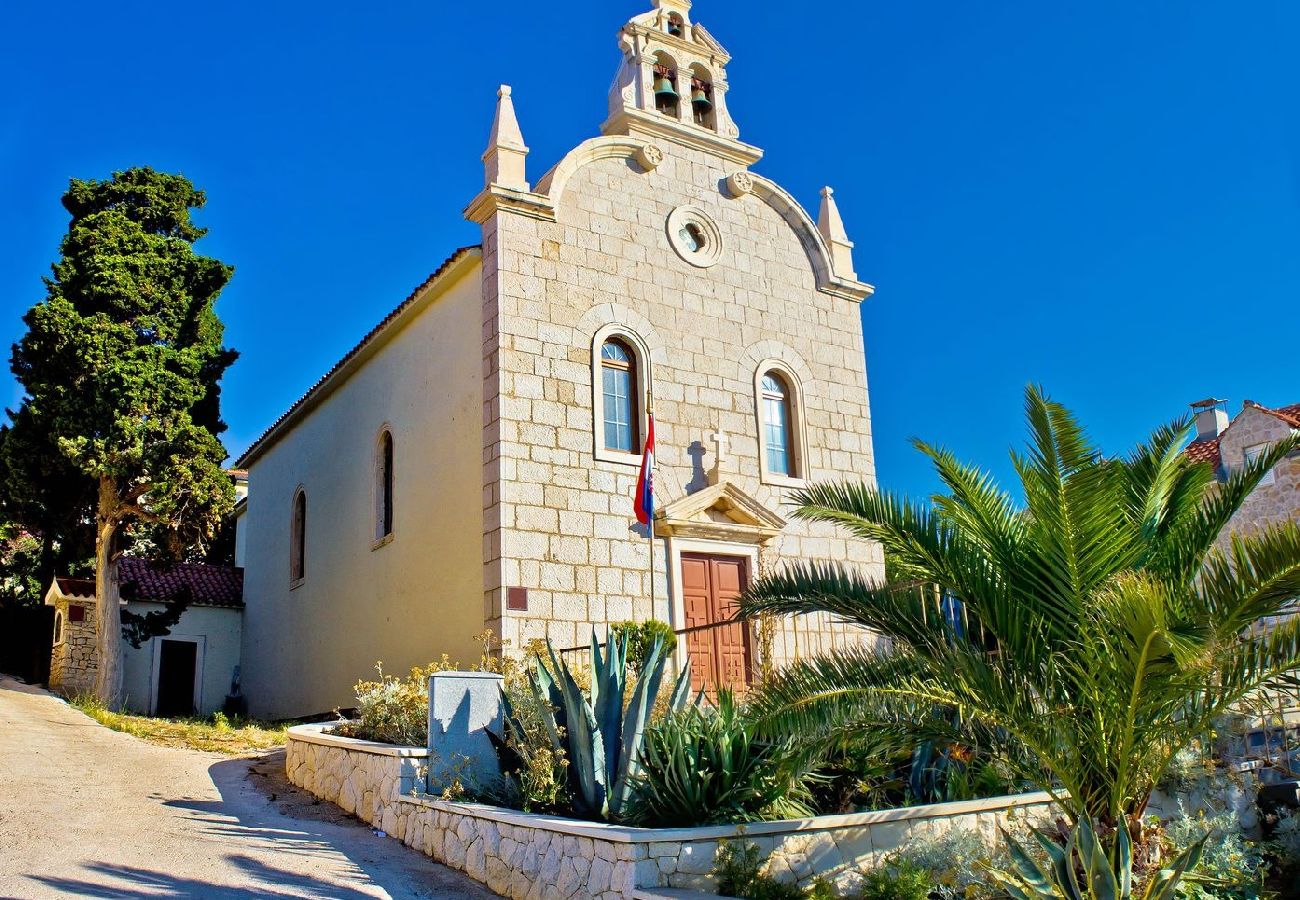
[(217, 734)]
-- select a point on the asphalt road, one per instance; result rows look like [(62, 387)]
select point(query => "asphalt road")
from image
[(89, 812)]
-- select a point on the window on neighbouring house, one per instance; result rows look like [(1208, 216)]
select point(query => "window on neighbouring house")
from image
[(619, 390), (384, 487), (778, 425), (298, 539), (1254, 453)]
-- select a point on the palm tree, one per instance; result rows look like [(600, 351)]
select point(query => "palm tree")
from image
[(1101, 629)]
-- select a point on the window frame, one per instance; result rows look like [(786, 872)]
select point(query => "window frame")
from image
[(639, 364), (298, 538), (795, 438), (385, 489), (1253, 452)]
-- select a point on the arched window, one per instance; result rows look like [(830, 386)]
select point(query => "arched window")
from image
[(619, 380), (384, 486), (298, 538), (702, 98), (58, 628), (778, 426), (665, 86)]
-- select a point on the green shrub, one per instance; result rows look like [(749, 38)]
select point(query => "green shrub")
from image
[(394, 710), (1230, 865), (641, 636), (955, 862), (896, 880), (1286, 843), (702, 765), (738, 872)]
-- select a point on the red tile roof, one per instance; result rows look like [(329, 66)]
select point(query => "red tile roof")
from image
[(1208, 450), (141, 579), (76, 587), (264, 440), (1204, 451)]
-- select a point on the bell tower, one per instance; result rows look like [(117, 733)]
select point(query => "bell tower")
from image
[(672, 84)]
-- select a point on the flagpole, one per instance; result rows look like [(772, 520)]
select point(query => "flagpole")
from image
[(650, 525)]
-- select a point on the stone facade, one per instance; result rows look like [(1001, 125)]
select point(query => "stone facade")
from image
[(533, 857), (73, 660), (1268, 503), (511, 515), (589, 254)]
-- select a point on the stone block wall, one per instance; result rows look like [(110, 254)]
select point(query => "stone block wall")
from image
[(361, 777), (1268, 503), (74, 662), (558, 515), (533, 857)]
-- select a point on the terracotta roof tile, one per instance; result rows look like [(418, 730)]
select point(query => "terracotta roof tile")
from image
[(247, 457), (76, 587), (141, 579), (1204, 451), (1208, 450)]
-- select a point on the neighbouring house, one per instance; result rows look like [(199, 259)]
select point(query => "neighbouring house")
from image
[(470, 464), (186, 672), (1227, 444)]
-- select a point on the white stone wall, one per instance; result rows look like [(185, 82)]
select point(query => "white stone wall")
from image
[(532, 857), (405, 600), (559, 519)]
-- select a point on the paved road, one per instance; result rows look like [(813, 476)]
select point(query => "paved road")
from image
[(88, 812)]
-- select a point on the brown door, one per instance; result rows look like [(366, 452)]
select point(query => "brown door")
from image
[(720, 655)]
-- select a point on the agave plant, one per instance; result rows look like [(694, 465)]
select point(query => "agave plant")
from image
[(703, 765), (600, 733), (1080, 869), (1103, 622)]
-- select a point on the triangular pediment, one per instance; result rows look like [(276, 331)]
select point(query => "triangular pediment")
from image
[(722, 512)]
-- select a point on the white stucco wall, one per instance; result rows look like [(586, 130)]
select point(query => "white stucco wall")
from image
[(216, 629), (406, 601)]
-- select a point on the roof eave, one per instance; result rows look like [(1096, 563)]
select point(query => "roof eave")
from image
[(446, 274)]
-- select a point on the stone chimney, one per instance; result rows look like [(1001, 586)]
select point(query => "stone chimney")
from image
[(1211, 418)]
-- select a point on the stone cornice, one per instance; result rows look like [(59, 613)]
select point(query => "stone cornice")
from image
[(499, 198), (638, 122)]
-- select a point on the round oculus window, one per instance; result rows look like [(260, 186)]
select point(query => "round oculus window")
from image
[(694, 236)]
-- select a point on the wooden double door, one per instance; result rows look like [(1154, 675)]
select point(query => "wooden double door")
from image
[(721, 651)]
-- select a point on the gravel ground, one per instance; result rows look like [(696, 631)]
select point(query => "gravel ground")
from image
[(89, 812)]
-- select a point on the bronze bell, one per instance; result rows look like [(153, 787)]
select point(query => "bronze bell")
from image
[(700, 100), (664, 90)]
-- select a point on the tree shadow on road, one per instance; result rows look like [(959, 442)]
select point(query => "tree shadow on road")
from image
[(137, 882)]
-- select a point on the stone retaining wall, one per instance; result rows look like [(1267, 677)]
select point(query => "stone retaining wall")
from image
[(533, 857)]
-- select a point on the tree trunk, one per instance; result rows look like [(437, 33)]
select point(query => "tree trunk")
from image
[(108, 615)]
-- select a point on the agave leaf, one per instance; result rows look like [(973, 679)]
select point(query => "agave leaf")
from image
[(1165, 883), (1124, 859), (634, 721), (1027, 870), (1099, 877)]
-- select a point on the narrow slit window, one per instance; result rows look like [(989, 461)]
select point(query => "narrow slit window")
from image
[(298, 546), (619, 387), (777, 425), (384, 519)]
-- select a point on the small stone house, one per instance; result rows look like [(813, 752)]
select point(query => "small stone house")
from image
[(470, 464), (187, 671), (1228, 444)]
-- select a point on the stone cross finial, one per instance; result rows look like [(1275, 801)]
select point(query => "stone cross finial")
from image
[(831, 227), (720, 441), (504, 158)]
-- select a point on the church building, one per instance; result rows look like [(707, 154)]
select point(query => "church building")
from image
[(471, 463)]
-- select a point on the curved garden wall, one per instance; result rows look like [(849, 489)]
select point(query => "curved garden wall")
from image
[(526, 856)]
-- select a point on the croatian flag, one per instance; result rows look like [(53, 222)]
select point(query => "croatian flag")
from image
[(645, 490)]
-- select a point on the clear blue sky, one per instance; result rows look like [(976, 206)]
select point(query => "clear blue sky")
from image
[(1100, 196)]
